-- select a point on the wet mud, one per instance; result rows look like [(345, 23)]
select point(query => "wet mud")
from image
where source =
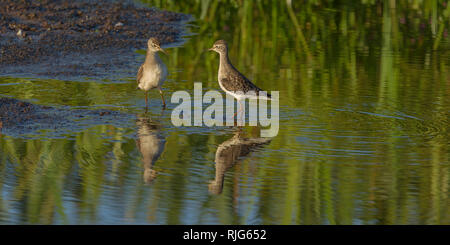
[(24, 119)]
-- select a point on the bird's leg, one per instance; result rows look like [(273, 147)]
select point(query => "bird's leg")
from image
[(235, 114), (146, 99), (162, 97), (240, 106), (239, 110)]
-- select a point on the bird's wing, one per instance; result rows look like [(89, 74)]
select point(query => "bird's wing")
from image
[(238, 82), (139, 74), (251, 86)]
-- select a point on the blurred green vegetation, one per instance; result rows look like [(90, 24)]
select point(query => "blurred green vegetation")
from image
[(365, 98)]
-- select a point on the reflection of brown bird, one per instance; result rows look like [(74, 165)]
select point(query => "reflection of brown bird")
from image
[(151, 144), (229, 152)]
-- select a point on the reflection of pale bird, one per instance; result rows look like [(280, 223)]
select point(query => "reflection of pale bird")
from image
[(150, 143), (228, 153), (153, 72)]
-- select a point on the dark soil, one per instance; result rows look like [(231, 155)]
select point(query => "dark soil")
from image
[(23, 119), (79, 38)]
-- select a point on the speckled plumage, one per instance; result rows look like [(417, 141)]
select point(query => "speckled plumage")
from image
[(237, 82)]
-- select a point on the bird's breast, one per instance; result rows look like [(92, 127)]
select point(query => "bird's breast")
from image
[(153, 77)]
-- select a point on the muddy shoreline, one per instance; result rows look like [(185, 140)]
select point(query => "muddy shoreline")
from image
[(66, 40), (24, 119)]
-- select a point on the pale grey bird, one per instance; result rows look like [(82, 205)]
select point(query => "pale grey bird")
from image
[(231, 80), (153, 72), (150, 143), (229, 152)]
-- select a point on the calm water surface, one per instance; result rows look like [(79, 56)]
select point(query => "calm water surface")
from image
[(364, 127)]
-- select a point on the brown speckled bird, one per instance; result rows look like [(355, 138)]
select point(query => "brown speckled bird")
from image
[(231, 80)]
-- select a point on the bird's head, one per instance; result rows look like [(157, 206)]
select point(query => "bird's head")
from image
[(220, 47), (154, 45)]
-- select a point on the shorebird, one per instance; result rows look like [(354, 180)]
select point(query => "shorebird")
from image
[(232, 81), (153, 72)]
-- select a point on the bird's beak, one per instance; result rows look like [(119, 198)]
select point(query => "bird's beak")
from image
[(162, 50), (211, 49)]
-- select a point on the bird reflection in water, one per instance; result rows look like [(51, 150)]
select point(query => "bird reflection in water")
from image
[(150, 142), (229, 153)]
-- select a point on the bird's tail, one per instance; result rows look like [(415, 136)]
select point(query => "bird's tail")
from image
[(265, 96)]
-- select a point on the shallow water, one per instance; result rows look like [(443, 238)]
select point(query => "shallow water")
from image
[(363, 139)]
